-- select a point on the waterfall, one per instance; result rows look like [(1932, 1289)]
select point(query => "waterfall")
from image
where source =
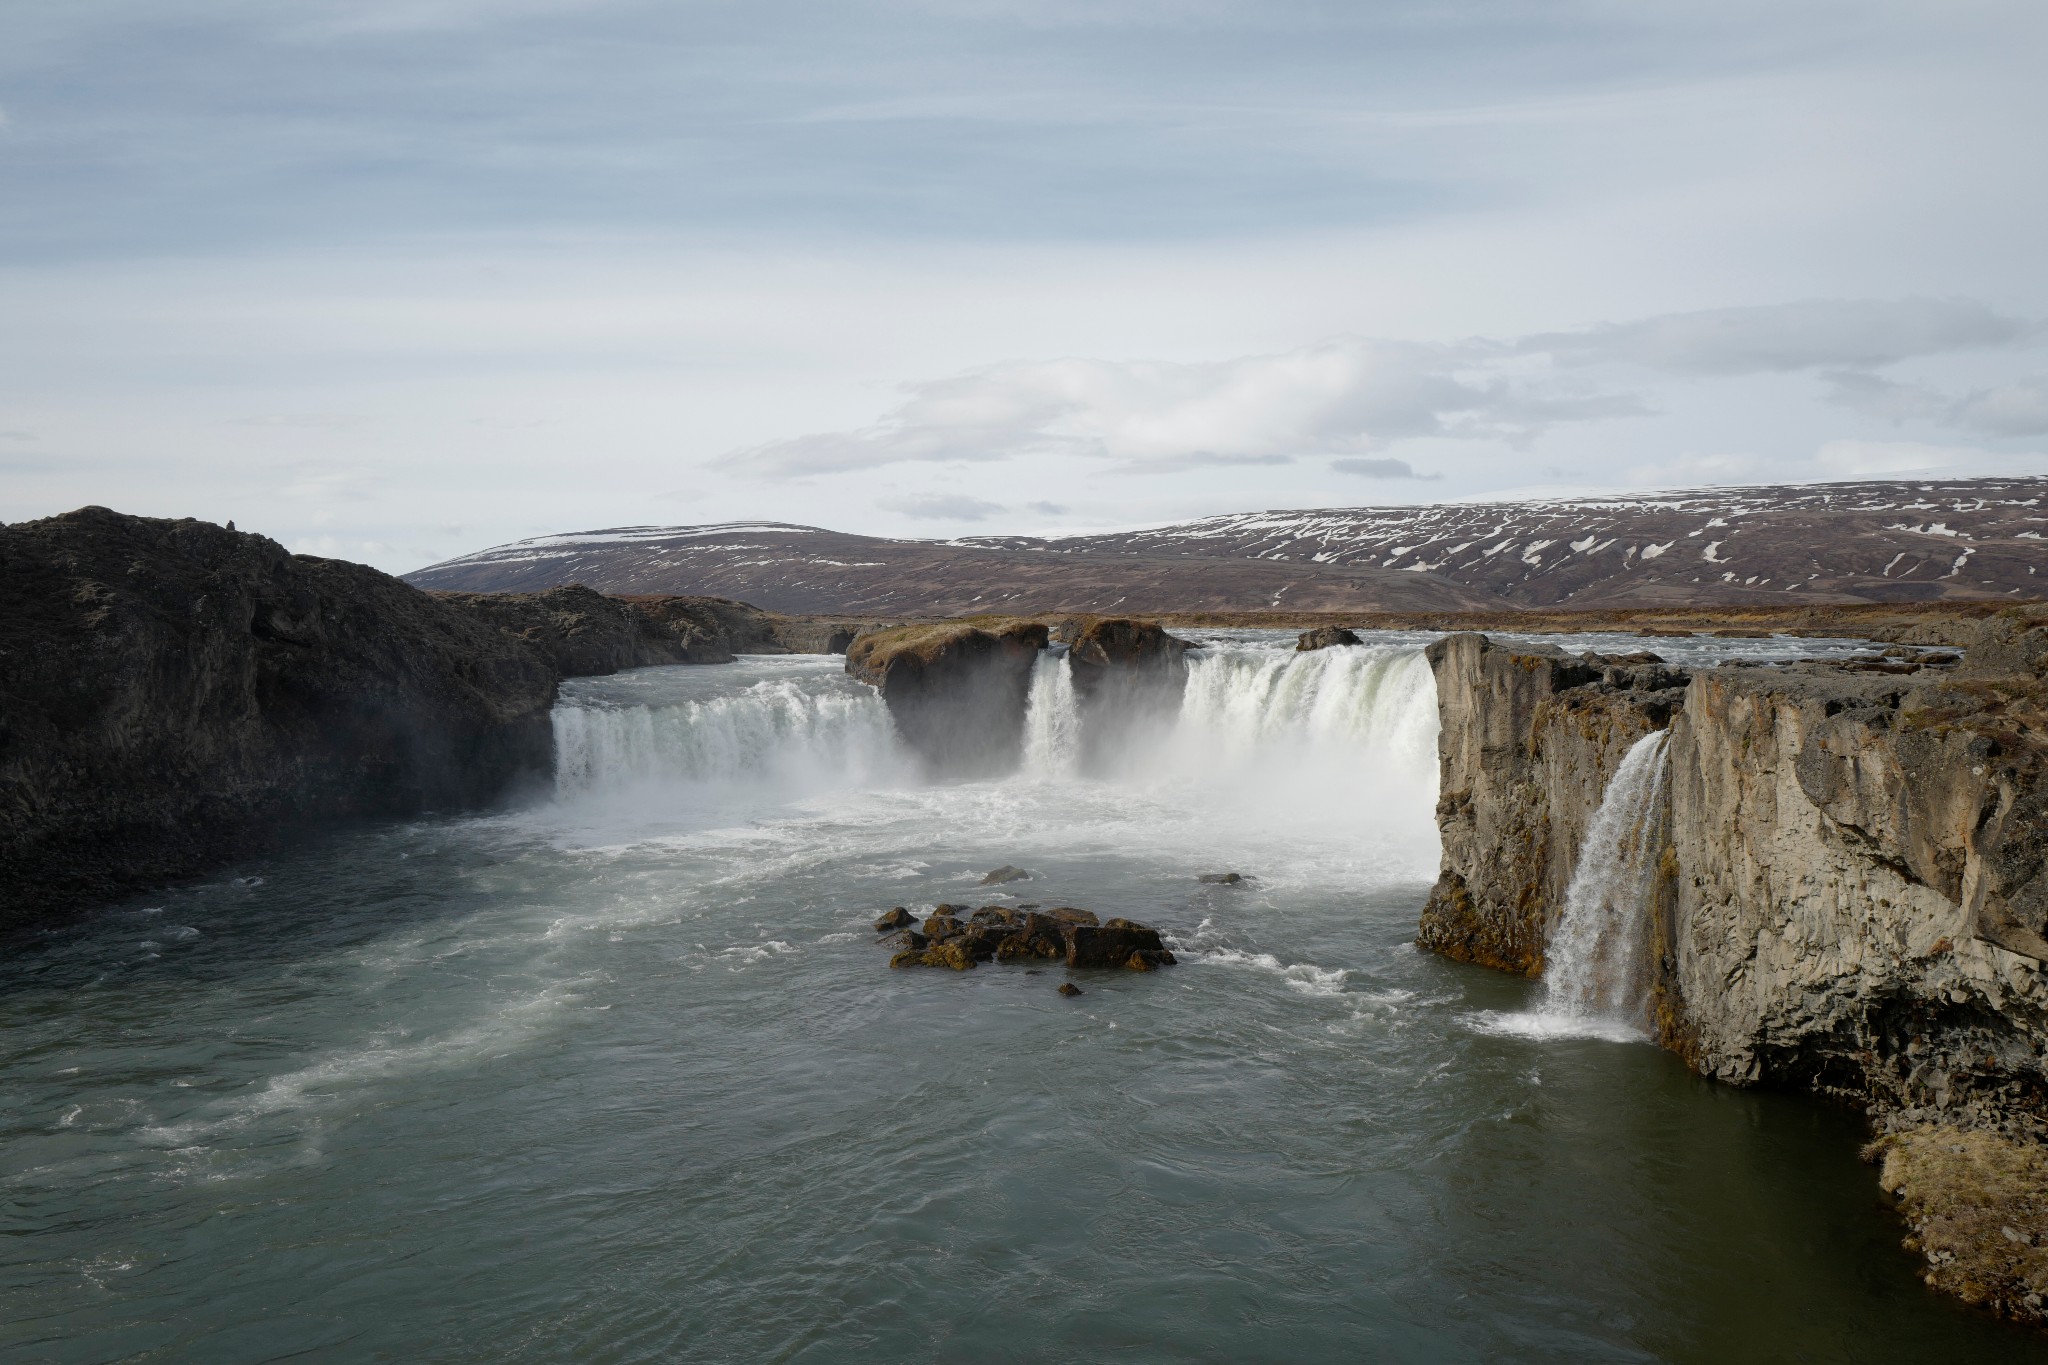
[(1598, 963), (806, 733), (1052, 721), (1359, 704)]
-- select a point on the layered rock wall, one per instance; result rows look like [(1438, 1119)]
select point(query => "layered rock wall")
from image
[(1853, 899), (1530, 738)]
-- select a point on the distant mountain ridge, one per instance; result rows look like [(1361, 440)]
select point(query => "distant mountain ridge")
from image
[(1874, 541)]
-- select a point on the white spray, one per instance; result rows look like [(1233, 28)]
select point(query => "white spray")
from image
[(780, 732), (1052, 721)]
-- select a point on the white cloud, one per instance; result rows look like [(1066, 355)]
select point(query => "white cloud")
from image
[(2019, 408), (1379, 469), (943, 507), (1809, 334), (1338, 397), (1885, 459)]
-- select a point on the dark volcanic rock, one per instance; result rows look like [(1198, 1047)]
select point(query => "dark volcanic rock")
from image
[(585, 634), (1128, 679), (1323, 637), (1117, 943), (898, 918), (956, 690), (1068, 988), (1004, 875), (174, 695), (1008, 934), (1222, 878)]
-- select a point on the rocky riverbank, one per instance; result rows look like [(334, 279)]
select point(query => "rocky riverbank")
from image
[(176, 694), (1851, 900)]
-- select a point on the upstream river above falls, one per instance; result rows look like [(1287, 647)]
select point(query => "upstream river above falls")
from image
[(621, 1075)]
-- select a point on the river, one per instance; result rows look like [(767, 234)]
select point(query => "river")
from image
[(620, 1075)]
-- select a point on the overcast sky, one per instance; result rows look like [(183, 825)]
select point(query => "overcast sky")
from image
[(398, 279)]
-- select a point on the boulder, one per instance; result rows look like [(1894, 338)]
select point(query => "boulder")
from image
[(1112, 944), (899, 918), (1009, 934), (1222, 878), (1323, 637), (951, 955), (1069, 988), (1004, 875)]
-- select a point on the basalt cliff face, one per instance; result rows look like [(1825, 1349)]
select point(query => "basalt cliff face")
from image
[(1851, 898), (174, 694)]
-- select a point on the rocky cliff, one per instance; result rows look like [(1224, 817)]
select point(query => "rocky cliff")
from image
[(959, 691), (174, 694), (956, 690), (1530, 738), (584, 633), (1852, 899)]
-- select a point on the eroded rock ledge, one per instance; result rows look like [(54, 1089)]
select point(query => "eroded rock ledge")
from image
[(959, 690), (1852, 898)]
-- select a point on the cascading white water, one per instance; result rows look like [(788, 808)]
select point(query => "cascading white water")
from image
[(1357, 704), (1052, 721), (1597, 964), (785, 731)]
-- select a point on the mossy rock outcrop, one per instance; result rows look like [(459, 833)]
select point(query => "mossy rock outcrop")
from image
[(957, 690)]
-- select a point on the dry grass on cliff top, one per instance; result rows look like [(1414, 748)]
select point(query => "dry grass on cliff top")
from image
[(924, 640), (1978, 1206)]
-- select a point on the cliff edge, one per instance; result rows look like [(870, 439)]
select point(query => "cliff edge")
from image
[(174, 694), (1853, 897)]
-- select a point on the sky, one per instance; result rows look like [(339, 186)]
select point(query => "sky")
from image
[(395, 280)]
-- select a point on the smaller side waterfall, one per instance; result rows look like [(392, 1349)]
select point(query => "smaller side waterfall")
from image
[(1052, 720), (1598, 964)]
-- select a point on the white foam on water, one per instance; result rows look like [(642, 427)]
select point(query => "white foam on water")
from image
[(1544, 1026)]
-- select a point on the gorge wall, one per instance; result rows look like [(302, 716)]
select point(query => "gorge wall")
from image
[(176, 694), (1852, 900)]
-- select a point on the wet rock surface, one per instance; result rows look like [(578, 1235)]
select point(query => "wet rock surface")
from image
[(1222, 878), (1326, 637), (1004, 875), (1005, 933)]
